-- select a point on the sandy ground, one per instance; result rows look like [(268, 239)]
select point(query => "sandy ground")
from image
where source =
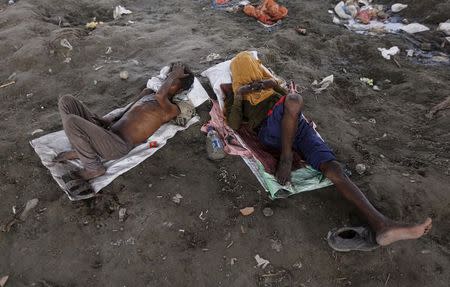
[(84, 244)]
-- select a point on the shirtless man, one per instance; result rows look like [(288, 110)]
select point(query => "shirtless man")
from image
[(111, 137), (282, 127)]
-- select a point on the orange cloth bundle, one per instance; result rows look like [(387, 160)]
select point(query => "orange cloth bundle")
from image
[(268, 12)]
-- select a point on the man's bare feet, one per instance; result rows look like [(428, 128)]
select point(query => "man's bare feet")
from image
[(283, 174), (398, 232), (88, 174), (66, 155)]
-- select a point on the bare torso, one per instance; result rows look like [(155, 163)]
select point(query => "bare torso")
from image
[(142, 120)]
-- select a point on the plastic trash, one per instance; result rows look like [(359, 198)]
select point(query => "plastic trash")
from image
[(344, 11), (414, 28), (124, 75), (445, 27), (387, 53), (261, 262), (397, 7), (119, 11), (325, 83), (214, 145), (66, 44)]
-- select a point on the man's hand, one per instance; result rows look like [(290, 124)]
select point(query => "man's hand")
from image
[(178, 71)]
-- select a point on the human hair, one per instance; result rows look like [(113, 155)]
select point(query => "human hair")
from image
[(187, 82)]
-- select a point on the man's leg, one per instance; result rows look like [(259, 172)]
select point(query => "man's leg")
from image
[(67, 106), (293, 106), (93, 143), (387, 231), (320, 157)]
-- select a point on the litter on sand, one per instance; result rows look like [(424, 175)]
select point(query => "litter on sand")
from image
[(119, 11), (177, 198), (387, 53), (365, 17), (414, 28), (66, 44), (37, 131), (268, 12), (324, 84), (3, 281), (20, 216), (261, 262), (445, 27), (397, 7), (247, 211)]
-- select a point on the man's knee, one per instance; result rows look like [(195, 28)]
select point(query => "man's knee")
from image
[(332, 170), (64, 102), (293, 104), (72, 122)]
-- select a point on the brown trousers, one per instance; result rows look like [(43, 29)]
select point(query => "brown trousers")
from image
[(88, 138)]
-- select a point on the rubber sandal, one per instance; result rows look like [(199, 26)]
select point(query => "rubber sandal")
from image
[(347, 239), (76, 186)]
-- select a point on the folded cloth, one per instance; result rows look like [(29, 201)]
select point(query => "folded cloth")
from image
[(246, 69), (268, 12), (48, 146), (244, 144)]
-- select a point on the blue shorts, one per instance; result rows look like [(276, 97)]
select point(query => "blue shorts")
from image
[(307, 141)]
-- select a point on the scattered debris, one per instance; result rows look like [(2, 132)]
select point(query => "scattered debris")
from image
[(122, 214), (267, 211), (230, 244), (247, 211), (11, 2), (167, 224), (372, 121), (92, 25), (23, 214), (445, 27), (387, 53), (4, 279), (397, 7), (425, 251), (66, 44), (108, 51), (233, 261), (7, 84), (410, 53), (276, 245), (301, 31), (414, 28), (201, 216), (345, 11), (153, 144), (98, 68), (213, 56), (67, 60), (361, 168), (123, 75), (324, 84), (297, 265), (177, 198), (36, 131), (12, 76), (376, 88), (119, 11), (261, 262), (367, 81), (445, 104)]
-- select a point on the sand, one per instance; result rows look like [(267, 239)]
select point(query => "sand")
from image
[(162, 243)]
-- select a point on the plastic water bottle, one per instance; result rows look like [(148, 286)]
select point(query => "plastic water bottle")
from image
[(214, 145)]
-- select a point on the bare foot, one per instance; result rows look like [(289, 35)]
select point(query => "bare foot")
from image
[(283, 173), (88, 174), (398, 232), (66, 155)]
